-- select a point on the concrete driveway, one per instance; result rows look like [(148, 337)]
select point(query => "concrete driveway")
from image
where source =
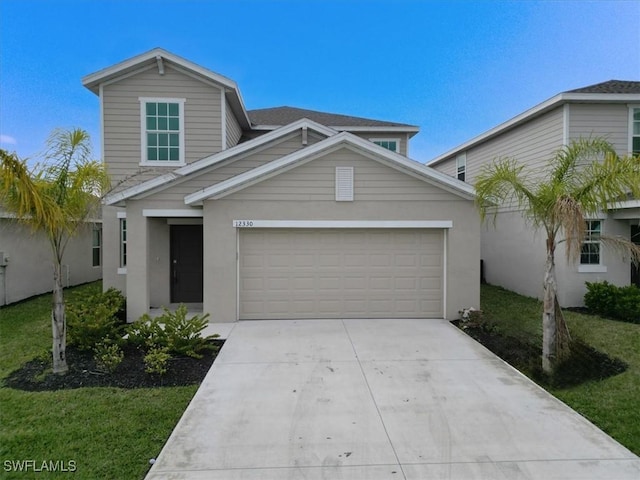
[(378, 399)]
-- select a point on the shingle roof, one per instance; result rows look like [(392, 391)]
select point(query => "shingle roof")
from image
[(611, 86), (286, 115)]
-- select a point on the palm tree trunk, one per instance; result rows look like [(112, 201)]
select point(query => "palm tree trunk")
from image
[(58, 323), (549, 311)]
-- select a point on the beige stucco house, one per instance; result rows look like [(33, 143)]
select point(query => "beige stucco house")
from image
[(514, 256), (276, 213), (26, 268)]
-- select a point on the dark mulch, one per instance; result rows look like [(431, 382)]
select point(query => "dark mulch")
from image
[(36, 374), (583, 364)]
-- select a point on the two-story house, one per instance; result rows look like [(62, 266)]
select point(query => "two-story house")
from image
[(272, 213), (514, 256)]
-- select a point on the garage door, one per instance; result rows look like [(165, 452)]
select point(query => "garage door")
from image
[(326, 273)]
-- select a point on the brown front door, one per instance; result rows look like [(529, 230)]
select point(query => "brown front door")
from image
[(635, 269), (186, 263)]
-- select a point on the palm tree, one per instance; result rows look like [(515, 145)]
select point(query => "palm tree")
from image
[(56, 198), (584, 178)]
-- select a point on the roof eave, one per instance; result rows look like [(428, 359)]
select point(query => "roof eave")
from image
[(538, 110)]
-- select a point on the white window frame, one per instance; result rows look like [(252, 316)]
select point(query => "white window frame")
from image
[(384, 139), (461, 166), (143, 132), (593, 267), (122, 243), (632, 109), (96, 228)]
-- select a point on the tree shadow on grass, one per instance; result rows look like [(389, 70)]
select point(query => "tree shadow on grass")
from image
[(583, 364)]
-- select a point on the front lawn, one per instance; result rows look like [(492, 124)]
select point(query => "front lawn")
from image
[(613, 404), (107, 432)]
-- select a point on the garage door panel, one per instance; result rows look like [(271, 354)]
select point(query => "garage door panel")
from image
[(340, 273)]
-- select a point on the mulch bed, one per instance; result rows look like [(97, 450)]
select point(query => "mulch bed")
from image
[(36, 374), (583, 364)]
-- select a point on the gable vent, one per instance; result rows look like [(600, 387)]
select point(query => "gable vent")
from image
[(344, 184)]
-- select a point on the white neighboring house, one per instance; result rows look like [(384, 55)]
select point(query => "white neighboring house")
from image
[(514, 257), (26, 268)]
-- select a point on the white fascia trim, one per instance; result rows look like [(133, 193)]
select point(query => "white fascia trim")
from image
[(348, 128), (566, 117), (422, 224), (537, 110), (394, 159), (101, 98), (223, 120), (398, 129), (121, 214), (172, 212)]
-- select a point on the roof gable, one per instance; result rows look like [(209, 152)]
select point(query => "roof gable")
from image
[(169, 179), (157, 57), (322, 148)]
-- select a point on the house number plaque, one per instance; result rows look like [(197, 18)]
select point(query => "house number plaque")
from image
[(243, 223)]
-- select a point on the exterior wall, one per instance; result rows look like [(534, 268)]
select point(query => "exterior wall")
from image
[(514, 254), (533, 144), (610, 121), (234, 132), (571, 282), (407, 198), (29, 269), (121, 120)]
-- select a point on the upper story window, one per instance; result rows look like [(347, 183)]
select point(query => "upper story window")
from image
[(461, 166), (634, 128), (590, 253), (162, 131), (392, 144)]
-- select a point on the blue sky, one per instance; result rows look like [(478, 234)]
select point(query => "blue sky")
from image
[(454, 68)]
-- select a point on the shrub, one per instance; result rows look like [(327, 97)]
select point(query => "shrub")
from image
[(95, 319), (622, 303), (155, 362), (147, 333), (108, 356), (172, 331)]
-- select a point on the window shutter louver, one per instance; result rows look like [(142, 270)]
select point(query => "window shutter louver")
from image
[(344, 184)]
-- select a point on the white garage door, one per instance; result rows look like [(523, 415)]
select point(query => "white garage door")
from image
[(326, 273)]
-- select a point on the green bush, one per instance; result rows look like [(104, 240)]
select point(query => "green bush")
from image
[(147, 333), (172, 331), (96, 318), (622, 303), (156, 360), (107, 356)]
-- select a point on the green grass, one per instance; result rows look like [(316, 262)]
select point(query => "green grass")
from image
[(108, 432), (612, 404)]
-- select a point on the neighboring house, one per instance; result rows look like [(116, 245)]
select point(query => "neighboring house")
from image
[(514, 257), (26, 266), (274, 213)]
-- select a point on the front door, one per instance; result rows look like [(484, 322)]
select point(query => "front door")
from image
[(186, 263), (635, 269)]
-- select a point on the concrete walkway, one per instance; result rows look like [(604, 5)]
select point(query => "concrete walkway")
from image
[(378, 399)]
